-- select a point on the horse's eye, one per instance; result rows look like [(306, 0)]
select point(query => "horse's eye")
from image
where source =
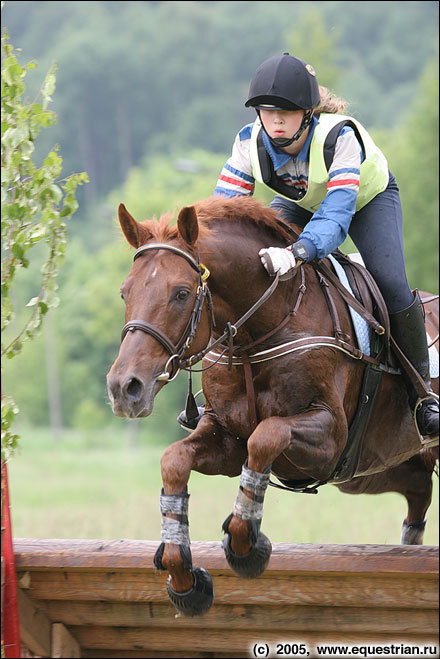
[(182, 294), (122, 294)]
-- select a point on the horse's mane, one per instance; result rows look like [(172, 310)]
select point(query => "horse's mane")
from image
[(227, 209)]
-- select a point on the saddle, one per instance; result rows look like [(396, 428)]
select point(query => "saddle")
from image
[(369, 304), (391, 356)]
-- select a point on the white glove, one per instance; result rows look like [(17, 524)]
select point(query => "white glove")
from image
[(279, 259)]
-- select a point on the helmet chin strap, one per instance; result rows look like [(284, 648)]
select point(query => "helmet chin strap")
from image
[(282, 142)]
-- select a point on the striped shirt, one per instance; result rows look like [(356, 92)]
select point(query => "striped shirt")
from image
[(328, 227)]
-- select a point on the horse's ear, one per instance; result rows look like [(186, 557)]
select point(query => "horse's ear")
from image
[(129, 226), (188, 225)]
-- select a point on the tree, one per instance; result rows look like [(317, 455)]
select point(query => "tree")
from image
[(417, 174), (412, 153), (35, 206), (311, 41)]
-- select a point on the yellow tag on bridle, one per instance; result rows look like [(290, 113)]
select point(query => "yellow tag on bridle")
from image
[(205, 272)]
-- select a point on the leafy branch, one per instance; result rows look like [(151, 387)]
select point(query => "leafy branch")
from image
[(36, 203)]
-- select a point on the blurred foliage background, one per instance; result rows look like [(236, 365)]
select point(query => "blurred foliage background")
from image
[(149, 98)]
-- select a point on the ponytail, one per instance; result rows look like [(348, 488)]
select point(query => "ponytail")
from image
[(329, 102)]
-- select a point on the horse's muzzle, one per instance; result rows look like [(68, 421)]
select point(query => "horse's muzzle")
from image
[(130, 396)]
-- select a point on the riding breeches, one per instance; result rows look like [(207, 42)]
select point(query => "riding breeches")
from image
[(377, 231)]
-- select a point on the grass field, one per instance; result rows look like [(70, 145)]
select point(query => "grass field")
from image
[(95, 486)]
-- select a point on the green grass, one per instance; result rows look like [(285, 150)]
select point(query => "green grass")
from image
[(95, 486)]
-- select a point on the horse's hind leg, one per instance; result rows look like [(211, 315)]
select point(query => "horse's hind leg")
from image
[(210, 451), (412, 479), (417, 488)]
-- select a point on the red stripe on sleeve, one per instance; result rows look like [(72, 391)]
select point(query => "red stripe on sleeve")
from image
[(235, 181), (343, 181)]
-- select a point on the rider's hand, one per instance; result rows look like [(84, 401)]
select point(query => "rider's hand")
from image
[(279, 259)]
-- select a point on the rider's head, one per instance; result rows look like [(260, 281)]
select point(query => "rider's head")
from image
[(285, 82)]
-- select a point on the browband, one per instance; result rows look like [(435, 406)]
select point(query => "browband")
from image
[(144, 248)]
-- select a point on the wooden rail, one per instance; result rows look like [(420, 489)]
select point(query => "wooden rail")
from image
[(94, 598)]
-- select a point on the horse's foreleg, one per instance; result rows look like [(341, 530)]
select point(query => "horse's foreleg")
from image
[(306, 437), (208, 450)]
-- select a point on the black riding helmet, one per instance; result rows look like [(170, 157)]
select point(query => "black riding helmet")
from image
[(285, 82)]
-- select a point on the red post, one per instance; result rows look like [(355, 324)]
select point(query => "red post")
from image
[(10, 619)]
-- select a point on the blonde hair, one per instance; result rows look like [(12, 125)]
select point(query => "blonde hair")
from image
[(329, 102)]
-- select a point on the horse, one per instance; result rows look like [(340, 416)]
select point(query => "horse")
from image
[(288, 417)]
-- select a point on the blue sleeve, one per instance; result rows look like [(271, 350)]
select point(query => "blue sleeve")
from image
[(328, 227)]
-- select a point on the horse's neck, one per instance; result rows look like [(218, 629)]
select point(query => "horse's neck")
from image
[(238, 279)]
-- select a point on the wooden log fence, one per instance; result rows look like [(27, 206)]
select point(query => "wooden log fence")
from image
[(93, 598)]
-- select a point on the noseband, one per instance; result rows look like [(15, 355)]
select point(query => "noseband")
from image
[(176, 351)]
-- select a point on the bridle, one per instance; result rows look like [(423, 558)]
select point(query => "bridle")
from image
[(176, 362), (176, 351)]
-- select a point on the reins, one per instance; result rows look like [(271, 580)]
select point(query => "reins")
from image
[(232, 329), (176, 361)]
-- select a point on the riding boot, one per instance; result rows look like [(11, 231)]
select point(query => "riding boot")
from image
[(190, 423), (409, 332)]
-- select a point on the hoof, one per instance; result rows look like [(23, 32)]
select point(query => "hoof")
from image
[(253, 563), (198, 599), (412, 534)]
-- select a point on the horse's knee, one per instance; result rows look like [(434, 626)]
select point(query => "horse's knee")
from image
[(270, 438), (274, 430), (175, 467), (168, 458)]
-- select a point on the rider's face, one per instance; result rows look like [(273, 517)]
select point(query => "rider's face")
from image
[(281, 123)]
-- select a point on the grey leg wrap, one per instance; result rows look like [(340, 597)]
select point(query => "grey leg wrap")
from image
[(175, 531), (198, 599), (244, 506), (249, 508)]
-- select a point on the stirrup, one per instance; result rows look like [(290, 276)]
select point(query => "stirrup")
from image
[(190, 424), (426, 441)]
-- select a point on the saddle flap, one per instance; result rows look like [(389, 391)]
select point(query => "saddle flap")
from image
[(377, 314)]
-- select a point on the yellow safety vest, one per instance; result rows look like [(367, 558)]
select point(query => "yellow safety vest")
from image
[(374, 174)]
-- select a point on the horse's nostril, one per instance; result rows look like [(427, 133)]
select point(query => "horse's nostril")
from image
[(133, 389)]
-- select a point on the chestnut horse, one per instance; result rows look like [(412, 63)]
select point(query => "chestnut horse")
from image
[(304, 399)]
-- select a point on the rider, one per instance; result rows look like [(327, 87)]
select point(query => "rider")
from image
[(331, 180)]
